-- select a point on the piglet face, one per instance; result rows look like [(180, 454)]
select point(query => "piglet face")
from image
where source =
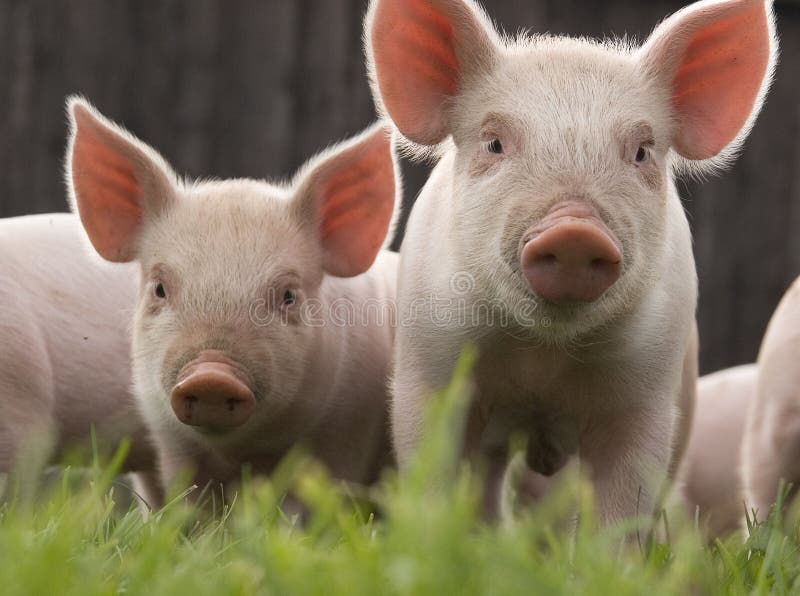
[(575, 175), (219, 331)]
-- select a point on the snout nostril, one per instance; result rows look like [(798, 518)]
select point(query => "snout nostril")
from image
[(189, 402), (232, 403), (601, 263)]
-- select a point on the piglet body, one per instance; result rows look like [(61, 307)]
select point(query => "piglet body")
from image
[(550, 234), (64, 343), (771, 445), (745, 437), (710, 477)]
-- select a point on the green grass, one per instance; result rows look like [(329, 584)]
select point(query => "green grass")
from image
[(426, 538)]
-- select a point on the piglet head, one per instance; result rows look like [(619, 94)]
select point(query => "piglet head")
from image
[(562, 150), (220, 338)]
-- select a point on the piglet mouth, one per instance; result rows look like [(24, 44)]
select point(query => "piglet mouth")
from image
[(211, 392), (570, 255)]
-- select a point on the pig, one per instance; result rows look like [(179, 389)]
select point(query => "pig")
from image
[(257, 325), (550, 234), (64, 347), (745, 436), (771, 444), (709, 480)]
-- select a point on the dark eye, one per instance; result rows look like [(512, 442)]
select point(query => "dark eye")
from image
[(289, 298), (495, 146), (160, 291), (641, 154)]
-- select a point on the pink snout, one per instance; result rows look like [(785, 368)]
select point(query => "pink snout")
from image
[(571, 255), (211, 395)]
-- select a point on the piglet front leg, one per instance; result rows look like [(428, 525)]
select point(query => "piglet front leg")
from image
[(628, 459)]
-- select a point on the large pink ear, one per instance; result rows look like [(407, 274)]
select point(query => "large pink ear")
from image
[(717, 58), (350, 194), (418, 53), (113, 179)]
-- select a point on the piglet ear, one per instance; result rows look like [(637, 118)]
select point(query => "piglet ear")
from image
[(419, 52), (115, 181), (716, 59), (350, 195)]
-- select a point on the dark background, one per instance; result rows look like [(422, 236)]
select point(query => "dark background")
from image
[(253, 87)]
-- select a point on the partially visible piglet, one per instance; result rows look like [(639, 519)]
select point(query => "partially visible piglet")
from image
[(710, 476), (551, 234), (745, 437), (265, 316), (771, 446), (65, 345)]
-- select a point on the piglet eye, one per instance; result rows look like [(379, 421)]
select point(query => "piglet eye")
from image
[(160, 292), (495, 146), (289, 298), (641, 154)]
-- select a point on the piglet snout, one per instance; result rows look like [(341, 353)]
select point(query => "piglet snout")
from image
[(212, 395), (570, 255)]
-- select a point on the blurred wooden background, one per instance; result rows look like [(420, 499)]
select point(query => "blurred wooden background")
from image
[(253, 87)]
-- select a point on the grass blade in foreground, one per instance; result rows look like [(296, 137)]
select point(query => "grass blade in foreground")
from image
[(428, 539)]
